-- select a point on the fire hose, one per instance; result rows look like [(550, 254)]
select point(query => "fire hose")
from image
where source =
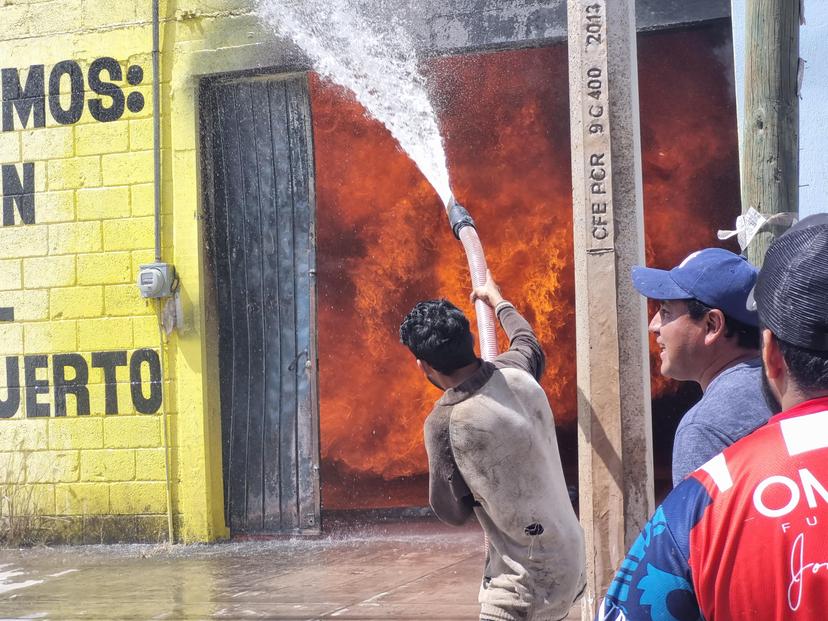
[(465, 230)]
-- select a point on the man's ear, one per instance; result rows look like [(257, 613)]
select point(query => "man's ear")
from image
[(772, 356), (714, 323)]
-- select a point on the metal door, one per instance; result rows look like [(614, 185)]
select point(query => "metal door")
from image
[(258, 176)]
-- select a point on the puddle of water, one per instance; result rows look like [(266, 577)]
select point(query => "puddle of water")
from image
[(7, 585), (300, 580), (62, 573)]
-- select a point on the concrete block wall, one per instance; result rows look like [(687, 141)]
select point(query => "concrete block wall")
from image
[(81, 414)]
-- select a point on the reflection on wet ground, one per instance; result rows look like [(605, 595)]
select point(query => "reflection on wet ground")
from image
[(404, 571)]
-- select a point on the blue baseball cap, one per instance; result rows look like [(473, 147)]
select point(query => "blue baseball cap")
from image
[(713, 276)]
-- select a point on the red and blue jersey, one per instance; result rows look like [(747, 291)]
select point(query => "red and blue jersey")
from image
[(743, 537)]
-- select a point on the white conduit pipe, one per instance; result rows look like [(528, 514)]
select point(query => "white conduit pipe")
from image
[(156, 155)]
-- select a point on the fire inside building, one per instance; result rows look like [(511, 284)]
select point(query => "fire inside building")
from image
[(288, 395), (382, 243)]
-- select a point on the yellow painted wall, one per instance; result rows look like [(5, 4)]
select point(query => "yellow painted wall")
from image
[(69, 274)]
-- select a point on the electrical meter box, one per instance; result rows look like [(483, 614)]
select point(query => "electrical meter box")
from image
[(155, 280)]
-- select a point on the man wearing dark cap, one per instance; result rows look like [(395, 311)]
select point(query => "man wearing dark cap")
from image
[(707, 335), (746, 535)]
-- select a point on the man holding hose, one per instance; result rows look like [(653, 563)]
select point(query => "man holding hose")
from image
[(492, 450)]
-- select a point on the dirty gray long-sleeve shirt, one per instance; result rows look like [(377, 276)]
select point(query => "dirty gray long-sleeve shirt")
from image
[(492, 449)]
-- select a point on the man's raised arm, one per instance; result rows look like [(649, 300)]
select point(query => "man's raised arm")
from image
[(524, 349)]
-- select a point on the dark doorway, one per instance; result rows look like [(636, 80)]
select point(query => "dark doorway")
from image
[(258, 182)]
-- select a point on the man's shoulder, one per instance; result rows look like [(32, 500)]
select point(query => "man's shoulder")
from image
[(736, 394), (745, 376), (791, 433), (514, 373), (732, 477), (496, 407), (518, 381), (437, 420), (478, 408)]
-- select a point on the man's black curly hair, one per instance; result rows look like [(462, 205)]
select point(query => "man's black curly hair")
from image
[(437, 332)]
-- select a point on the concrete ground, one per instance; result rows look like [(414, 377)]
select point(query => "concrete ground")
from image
[(422, 570)]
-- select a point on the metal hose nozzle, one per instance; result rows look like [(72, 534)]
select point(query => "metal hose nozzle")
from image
[(458, 217)]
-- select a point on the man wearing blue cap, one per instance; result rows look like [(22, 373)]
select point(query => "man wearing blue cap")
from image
[(707, 335)]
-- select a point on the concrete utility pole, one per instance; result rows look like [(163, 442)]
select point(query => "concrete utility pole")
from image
[(770, 164), (614, 426)]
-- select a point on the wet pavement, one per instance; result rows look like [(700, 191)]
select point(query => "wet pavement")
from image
[(398, 571)]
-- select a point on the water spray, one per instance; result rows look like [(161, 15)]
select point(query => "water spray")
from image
[(464, 229), (376, 58)]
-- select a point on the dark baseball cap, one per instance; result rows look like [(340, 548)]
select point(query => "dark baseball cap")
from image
[(713, 276), (791, 293)]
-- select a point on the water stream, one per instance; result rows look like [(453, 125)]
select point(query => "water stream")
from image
[(373, 56), (370, 52)]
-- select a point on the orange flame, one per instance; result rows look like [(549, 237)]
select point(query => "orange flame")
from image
[(383, 240)]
